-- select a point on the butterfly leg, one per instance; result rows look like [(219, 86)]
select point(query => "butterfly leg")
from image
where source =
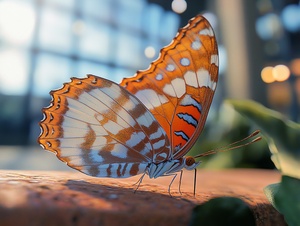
[(139, 182), (180, 179), (169, 189), (195, 181)]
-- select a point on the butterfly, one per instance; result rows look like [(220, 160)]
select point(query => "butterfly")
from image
[(144, 125)]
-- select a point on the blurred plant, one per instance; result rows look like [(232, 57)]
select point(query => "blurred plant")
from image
[(224, 128), (283, 137), (223, 211)]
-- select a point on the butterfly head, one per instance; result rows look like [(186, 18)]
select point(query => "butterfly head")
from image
[(190, 163)]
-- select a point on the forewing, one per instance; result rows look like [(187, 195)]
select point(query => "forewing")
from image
[(178, 87), (99, 128)]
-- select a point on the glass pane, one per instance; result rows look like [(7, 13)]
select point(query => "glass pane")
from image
[(55, 30), (85, 67), (152, 20), (97, 9), (17, 22), (169, 26), (94, 42), (129, 50), (14, 68), (65, 3), (51, 72), (120, 73), (130, 14)]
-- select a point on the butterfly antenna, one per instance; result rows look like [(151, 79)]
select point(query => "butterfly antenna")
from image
[(232, 146)]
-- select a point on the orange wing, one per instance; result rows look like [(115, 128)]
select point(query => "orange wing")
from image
[(178, 87)]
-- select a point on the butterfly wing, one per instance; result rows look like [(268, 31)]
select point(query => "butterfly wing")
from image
[(99, 128), (178, 87)]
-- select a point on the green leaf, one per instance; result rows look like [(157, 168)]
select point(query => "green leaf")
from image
[(283, 135), (270, 191), (286, 198), (223, 211)]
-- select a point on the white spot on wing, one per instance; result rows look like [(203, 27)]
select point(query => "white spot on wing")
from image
[(159, 144), (129, 104), (99, 141), (168, 89), (188, 100), (145, 120), (95, 157), (119, 151), (170, 67), (159, 77), (214, 86), (135, 139), (99, 117), (185, 61), (163, 155), (113, 170), (214, 59), (206, 31), (71, 142), (112, 127), (190, 79), (196, 45), (76, 107), (149, 98), (156, 135), (128, 168), (77, 129), (76, 160), (204, 79), (103, 170), (179, 86), (71, 151)]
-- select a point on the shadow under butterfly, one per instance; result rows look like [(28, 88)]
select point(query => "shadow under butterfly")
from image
[(147, 123)]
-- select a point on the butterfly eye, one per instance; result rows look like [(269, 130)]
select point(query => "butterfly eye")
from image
[(189, 160)]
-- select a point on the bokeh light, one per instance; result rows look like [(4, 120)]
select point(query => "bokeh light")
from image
[(149, 52), (278, 73), (281, 73), (291, 17), (267, 75), (179, 6), (268, 26), (13, 72), (17, 21), (295, 67), (78, 27)]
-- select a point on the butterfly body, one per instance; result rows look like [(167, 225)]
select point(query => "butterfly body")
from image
[(144, 125), (169, 167)]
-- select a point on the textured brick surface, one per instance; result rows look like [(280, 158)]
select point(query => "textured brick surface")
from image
[(71, 198)]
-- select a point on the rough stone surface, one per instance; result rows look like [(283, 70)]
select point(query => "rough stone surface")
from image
[(71, 198)]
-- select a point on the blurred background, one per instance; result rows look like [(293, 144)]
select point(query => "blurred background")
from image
[(45, 42)]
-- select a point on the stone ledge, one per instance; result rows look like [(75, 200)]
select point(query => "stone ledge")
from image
[(72, 198)]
